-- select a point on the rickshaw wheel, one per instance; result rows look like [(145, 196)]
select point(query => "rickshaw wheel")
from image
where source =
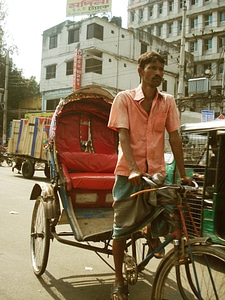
[(40, 237)]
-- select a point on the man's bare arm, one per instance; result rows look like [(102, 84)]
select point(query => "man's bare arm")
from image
[(135, 174), (176, 146)]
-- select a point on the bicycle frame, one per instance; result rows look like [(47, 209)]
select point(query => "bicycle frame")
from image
[(181, 241), (179, 221)]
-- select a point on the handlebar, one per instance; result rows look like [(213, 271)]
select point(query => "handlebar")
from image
[(154, 187)]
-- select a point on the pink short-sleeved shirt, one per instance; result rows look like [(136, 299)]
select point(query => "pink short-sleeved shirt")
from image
[(146, 131)]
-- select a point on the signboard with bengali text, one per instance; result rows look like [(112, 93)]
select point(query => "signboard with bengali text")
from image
[(77, 69), (87, 7)]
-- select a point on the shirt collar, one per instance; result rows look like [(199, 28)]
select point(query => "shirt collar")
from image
[(140, 96)]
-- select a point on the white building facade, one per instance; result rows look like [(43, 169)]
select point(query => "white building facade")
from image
[(204, 31), (95, 51)]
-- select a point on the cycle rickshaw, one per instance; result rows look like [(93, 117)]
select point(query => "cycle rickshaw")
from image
[(82, 154)]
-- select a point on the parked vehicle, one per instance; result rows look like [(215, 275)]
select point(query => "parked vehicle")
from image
[(26, 145), (204, 157)]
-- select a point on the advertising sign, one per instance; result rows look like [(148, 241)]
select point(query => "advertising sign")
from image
[(207, 115), (87, 7)]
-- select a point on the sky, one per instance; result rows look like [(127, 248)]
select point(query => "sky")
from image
[(27, 19)]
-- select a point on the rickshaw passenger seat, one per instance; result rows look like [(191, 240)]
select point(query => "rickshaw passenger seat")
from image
[(88, 171)]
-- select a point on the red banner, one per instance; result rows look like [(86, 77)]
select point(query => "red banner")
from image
[(77, 69)]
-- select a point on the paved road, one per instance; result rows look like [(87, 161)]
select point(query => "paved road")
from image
[(71, 273)]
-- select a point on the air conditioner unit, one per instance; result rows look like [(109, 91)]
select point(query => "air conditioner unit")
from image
[(198, 85)]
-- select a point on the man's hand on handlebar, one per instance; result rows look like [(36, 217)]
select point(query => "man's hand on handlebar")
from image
[(135, 178), (187, 180)]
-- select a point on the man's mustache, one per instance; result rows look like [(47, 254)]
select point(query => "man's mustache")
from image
[(158, 77)]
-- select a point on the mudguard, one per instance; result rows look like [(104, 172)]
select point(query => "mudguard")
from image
[(49, 197)]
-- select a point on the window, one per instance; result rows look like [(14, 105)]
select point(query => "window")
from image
[(69, 67), (51, 104), (222, 16), (144, 48), (73, 36), (193, 46), (53, 41), (193, 2), (141, 14), (160, 8), (50, 71), (208, 44), (194, 22), (208, 19), (221, 41), (221, 66), (171, 6), (150, 11), (95, 31), (93, 65), (171, 28), (132, 16)]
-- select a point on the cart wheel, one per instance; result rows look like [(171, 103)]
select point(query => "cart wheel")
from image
[(28, 169), (40, 237), (47, 171)]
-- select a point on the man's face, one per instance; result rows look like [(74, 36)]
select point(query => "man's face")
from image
[(152, 74)]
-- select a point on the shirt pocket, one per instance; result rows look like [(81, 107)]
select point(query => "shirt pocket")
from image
[(159, 122)]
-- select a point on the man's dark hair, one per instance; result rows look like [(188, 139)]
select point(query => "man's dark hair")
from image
[(149, 57)]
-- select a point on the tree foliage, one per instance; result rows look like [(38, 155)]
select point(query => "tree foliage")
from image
[(18, 87)]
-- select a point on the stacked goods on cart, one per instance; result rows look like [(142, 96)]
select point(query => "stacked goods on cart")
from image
[(27, 140), (28, 136)]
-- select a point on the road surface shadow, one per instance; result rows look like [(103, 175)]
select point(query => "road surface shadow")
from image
[(93, 286)]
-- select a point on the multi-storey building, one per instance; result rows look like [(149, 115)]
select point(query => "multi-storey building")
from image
[(96, 51), (204, 32)]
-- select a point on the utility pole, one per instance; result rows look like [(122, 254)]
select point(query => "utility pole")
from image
[(180, 91), (223, 75), (5, 100)]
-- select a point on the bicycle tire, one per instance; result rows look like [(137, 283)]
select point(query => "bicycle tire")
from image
[(169, 275), (40, 237)]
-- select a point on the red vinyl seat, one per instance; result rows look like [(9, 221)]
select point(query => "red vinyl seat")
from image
[(90, 171)]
